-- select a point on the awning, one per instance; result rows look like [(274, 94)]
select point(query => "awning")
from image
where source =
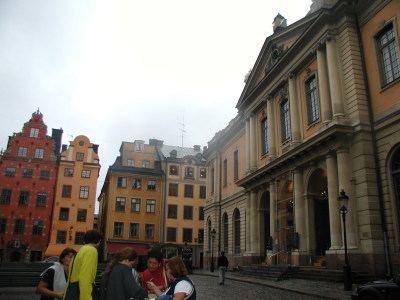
[(56, 249), (140, 248)]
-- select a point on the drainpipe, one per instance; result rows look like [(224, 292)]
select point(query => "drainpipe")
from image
[(219, 200), (164, 204), (375, 147)]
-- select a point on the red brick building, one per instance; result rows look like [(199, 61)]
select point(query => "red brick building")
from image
[(28, 174)]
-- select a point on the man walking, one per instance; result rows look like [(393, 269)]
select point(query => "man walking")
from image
[(222, 266)]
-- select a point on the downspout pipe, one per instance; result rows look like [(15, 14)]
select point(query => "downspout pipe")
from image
[(375, 148)]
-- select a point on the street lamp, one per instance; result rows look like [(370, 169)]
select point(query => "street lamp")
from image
[(213, 233), (343, 200)]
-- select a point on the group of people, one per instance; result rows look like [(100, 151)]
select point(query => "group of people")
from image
[(74, 276)]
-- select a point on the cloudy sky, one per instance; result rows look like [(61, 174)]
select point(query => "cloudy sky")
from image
[(118, 70)]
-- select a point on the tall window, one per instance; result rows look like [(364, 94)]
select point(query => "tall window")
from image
[(44, 174), (187, 235), (34, 132), (121, 182), (61, 237), (81, 217), (5, 196), (68, 172), (85, 174), (151, 185), (84, 192), (203, 192), (171, 234), (120, 204), (225, 172), (64, 214), (209, 234), (135, 205), (22, 151), (39, 153), (173, 170), (134, 230), (188, 191), (285, 120), (225, 226), (188, 212), (172, 211), (189, 172), (131, 162), (312, 100), (236, 217), (173, 189), (203, 173), (23, 198), (150, 206), (79, 238), (19, 226), (200, 236), (201, 213), (145, 164), (66, 191), (80, 156), (3, 225), (37, 228), (396, 182), (212, 180), (149, 231), (27, 173), (137, 184), (118, 229), (388, 54), (264, 135), (236, 165), (41, 199)]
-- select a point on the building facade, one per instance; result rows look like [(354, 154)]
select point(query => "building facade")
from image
[(73, 212), (28, 173), (318, 115)]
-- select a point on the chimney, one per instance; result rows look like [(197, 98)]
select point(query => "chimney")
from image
[(196, 147), (155, 142), (279, 23), (95, 148), (57, 136), (64, 148)]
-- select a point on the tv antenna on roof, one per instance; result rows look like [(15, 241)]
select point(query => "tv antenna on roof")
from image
[(182, 130)]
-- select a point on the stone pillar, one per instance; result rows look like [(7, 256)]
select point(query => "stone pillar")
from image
[(248, 223), (271, 128), (253, 222), (323, 85), (253, 148), (294, 110), (334, 77), (344, 176), (248, 145), (333, 193), (272, 213), (299, 208)]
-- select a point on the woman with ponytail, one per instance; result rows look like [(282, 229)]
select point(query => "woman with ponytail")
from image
[(118, 282)]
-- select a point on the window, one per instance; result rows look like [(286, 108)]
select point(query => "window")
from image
[(44, 174), (189, 172), (130, 162), (134, 230), (139, 146), (201, 213), (84, 192), (3, 225), (312, 100), (388, 54), (285, 120), (10, 171), (80, 156), (79, 240), (22, 151), (149, 231), (188, 191), (64, 214), (135, 205), (5, 196), (395, 170), (200, 236), (23, 198), (68, 172), (171, 234), (39, 153), (187, 235), (146, 164), (120, 204), (264, 136), (34, 132), (118, 229), (37, 228), (212, 181), (237, 231), (225, 172), (19, 226), (81, 217), (151, 185), (188, 212), (173, 189), (203, 173), (41, 199), (121, 182), (85, 174), (225, 227), (137, 184), (61, 237), (66, 191), (236, 165), (172, 211), (203, 192), (27, 173), (173, 170), (150, 206)]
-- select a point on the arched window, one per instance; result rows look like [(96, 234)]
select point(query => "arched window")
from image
[(225, 224), (236, 218), (396, 182), (209, 233)]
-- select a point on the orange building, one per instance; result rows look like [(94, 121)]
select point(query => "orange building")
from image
[(73, 212)]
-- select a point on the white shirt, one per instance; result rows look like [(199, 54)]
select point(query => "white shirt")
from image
[(183, 286)]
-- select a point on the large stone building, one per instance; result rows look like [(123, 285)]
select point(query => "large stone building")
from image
[(318, 115), (28, 173)]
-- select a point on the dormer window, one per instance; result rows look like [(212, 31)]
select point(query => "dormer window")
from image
[(139, 146)]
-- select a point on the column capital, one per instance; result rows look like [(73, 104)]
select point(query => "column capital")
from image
[(331, 36), (330, 153)]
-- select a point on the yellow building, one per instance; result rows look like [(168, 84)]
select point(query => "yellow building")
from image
[(73, 211)]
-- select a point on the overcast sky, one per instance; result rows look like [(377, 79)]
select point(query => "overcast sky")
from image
[(126, 70)]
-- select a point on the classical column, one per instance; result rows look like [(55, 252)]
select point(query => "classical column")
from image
[(248, 145), (299, 208), (248, 224), (323, 85), (344, 176), (272, 213), (334, 77), (333, 193), (253, 148), (294, 109), (253, 222), (271, 128)]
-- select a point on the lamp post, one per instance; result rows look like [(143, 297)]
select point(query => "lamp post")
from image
[(347, 282), (213, 233)]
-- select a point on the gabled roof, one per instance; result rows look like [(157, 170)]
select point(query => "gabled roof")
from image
[(181, 152)]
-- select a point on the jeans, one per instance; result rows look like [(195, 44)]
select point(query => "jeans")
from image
[(164, 297), (222, 271)]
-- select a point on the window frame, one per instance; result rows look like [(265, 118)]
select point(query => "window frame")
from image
[(189, 191), (120, 204), (118, 229), (41, 199), (22, 151), (39, 153), (312, 101), (147, 229), (86, 173), (131, 231), (187, 212), (81, 215), (285, 120), (23, 198), (136, 205), (63, 214), (151, 206), (84, 192), (151, 187), (37, 227), (172, 212), (173, 189)]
